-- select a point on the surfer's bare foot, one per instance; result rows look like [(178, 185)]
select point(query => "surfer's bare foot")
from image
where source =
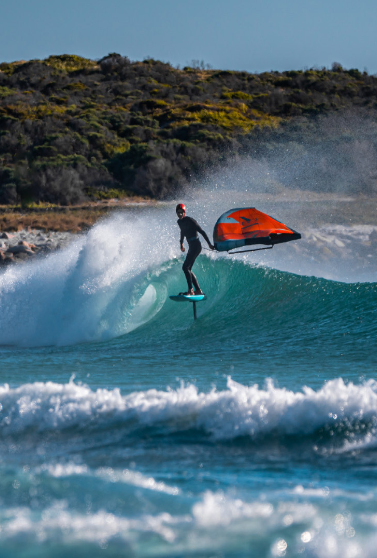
[(189, 293), (199, 292)]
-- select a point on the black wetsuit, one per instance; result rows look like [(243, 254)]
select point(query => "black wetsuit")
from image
[(189, 229)]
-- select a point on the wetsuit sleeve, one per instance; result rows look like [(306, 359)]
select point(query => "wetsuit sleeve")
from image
[(182, 235), (203, 233)]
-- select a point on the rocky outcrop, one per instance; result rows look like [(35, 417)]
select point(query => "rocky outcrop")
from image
[(21, 246)]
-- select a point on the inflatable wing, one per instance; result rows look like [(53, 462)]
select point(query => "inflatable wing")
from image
[(248, 226)]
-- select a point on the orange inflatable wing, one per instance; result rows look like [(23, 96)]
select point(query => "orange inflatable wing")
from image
[(244, 227)]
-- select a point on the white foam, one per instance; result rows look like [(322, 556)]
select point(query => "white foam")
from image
[(325, 492), (217, 521), (219, 509), (213, 510), (126, 476), (90, 290), (237, 411), (59, 523)]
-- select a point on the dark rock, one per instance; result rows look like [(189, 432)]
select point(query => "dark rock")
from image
[(26, 244), (19, 249), (22, 256)]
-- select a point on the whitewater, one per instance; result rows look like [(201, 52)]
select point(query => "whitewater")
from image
[(128, 429)]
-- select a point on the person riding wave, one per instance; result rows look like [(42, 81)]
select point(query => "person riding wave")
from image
[(190, 229)]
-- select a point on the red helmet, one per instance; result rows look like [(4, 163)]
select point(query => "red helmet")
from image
[(180, 206)]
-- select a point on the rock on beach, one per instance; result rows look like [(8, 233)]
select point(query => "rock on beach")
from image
[(21, 246)]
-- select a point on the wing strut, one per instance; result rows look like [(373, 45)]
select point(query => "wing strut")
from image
[(255, 250)]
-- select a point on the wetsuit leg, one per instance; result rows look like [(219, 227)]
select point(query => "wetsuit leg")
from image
[(195, 248)]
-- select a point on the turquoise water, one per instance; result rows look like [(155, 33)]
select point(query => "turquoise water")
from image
[(128, 429)]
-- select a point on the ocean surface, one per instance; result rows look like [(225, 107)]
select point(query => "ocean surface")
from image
[(128, 429)]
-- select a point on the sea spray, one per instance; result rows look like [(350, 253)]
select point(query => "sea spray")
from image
[(238, 411), (72, 296)]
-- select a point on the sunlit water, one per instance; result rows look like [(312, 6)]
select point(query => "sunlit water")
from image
[(128, 429)]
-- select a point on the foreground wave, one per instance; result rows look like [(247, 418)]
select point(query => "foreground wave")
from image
[(347, 413)]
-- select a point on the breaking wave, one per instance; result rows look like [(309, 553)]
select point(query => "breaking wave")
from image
[(347, 412), (118, 277)]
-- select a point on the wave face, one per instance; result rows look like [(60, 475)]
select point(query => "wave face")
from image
[(118, 278)]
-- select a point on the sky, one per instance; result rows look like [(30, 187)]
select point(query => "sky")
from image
[(249, 35)]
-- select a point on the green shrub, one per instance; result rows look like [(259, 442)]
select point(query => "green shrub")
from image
[(8, 69), (152, 104), (222, 73), (70, 62), (151, 125), (226, 119), (111, 193), (58, 100), (77, 86), (7, 175), (59, 161), (354, 73), (206, 136), (8, 193), (284, 82), (293, 73), (237, 95), (6, 92), (45, 151)]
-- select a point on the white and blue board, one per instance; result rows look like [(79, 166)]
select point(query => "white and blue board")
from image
[(189, 298)]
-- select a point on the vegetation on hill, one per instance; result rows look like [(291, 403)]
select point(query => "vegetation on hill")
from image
[(73, 128)]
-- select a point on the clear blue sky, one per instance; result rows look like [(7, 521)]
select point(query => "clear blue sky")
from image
[(228, 34)]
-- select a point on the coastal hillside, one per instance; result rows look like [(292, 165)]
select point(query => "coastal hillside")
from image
[(73, 129)]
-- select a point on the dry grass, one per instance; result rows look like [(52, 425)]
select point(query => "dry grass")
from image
[(61, 219), (309, 211), (72, 221)]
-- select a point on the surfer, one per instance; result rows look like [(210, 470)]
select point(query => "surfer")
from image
[(189, 229)]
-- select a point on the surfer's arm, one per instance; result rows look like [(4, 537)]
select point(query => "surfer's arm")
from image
[(181, 241), (204, 235)]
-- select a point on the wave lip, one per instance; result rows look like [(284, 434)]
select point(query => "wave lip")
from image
[(237, 411)]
